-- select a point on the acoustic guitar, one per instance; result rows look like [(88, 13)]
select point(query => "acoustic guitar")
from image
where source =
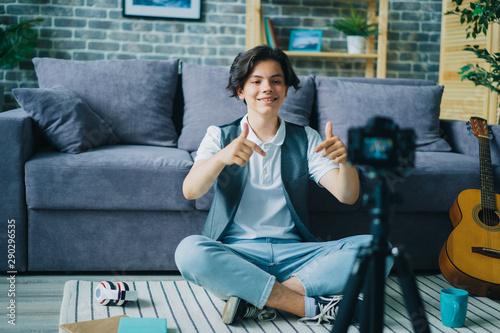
[(470, 257)]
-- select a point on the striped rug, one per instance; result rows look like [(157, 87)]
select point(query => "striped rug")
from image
[(189, 308)]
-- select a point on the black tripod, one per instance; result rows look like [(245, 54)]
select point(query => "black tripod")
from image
[(370, 264)]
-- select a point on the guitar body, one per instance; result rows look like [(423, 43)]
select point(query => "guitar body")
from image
[(470, 258)]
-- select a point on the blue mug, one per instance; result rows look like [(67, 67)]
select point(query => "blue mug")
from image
[(454, 307)]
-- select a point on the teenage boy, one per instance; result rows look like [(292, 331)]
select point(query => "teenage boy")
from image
[(256, 250)]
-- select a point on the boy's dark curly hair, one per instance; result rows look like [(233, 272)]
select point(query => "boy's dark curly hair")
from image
[(245, 62)]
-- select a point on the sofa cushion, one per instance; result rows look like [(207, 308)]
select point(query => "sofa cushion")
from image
[(135, 97), (298, 106), (207, 102), (435, 182), (351, 104), (126, 177), (388, 81), (64, 119)]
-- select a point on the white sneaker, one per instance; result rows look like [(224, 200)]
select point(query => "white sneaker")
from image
[(326, 310)]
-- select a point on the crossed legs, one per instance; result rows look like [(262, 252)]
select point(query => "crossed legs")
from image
[(253, 271)]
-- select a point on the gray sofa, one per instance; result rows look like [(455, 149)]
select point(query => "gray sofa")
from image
[(92, 164)]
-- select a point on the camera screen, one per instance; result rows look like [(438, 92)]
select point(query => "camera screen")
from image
[(377, 149)]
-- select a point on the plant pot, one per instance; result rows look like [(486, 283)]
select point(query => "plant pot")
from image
[(356, 44)]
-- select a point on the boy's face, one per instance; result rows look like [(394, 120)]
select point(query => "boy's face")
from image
[(264, 89)]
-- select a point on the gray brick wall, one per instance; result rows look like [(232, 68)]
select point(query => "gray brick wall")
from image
[(97, 29)]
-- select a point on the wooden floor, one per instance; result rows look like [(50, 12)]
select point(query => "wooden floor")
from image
[(38, 298)]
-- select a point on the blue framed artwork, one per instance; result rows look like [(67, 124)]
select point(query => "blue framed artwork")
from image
[(175, 9), (305, 40)]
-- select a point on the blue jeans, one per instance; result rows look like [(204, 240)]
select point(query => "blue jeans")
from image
[(248, 269)]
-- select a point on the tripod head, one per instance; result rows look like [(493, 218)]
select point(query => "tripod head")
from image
[(381, 146)]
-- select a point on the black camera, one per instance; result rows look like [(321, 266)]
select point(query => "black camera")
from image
[(381, 145)]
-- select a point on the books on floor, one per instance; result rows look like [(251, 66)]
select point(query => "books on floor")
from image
[(150, 325), (118, 324)]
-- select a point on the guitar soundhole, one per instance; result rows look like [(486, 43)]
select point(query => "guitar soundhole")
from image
[(489, 217)]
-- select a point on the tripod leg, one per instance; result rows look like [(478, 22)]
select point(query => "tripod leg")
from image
[(413, 302), (375, 295), (352, 290)]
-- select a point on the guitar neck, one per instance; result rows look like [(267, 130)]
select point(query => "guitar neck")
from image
[(488, 198)]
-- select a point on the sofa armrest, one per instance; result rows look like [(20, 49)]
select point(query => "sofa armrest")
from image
[(18, 142), (457, 135)]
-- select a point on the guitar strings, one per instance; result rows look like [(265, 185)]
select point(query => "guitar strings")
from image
[(488, 194), (484, 201), (487, 188)]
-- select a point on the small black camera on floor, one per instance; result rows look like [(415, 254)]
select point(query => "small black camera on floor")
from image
[(381, 145)]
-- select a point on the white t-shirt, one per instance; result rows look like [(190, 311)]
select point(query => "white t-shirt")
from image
[(263, 211)]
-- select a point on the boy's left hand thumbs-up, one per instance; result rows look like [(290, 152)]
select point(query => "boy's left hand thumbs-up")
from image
[(333, 148)]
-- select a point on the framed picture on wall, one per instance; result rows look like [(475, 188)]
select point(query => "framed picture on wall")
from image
[(174, 9), (305, 40)]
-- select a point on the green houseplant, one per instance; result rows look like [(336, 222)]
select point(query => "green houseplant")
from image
[(357, 28), (17, 42), (479, 16)]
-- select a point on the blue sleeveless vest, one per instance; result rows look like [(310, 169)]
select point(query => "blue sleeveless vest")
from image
[(229, 186)]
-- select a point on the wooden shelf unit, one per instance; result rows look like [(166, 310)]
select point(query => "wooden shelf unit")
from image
[(255, 35)]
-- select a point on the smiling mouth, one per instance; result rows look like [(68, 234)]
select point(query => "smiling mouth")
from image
[(268, 99)]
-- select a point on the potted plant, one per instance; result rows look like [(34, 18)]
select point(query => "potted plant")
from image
[(479, 15), (357, 29), (17, 42)]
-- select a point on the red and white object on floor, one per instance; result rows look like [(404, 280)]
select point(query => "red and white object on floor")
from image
[(114, 293)]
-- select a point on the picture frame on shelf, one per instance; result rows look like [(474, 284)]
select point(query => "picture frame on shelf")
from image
[(305, 40), (180, 9)]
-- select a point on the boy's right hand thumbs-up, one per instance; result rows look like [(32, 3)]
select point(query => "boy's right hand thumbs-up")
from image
[(241, 149)]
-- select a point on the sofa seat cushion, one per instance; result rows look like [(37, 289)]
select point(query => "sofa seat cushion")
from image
[(435, 182), (121, 177)]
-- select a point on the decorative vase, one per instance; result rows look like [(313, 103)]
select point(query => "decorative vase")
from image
[(356, 44)]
